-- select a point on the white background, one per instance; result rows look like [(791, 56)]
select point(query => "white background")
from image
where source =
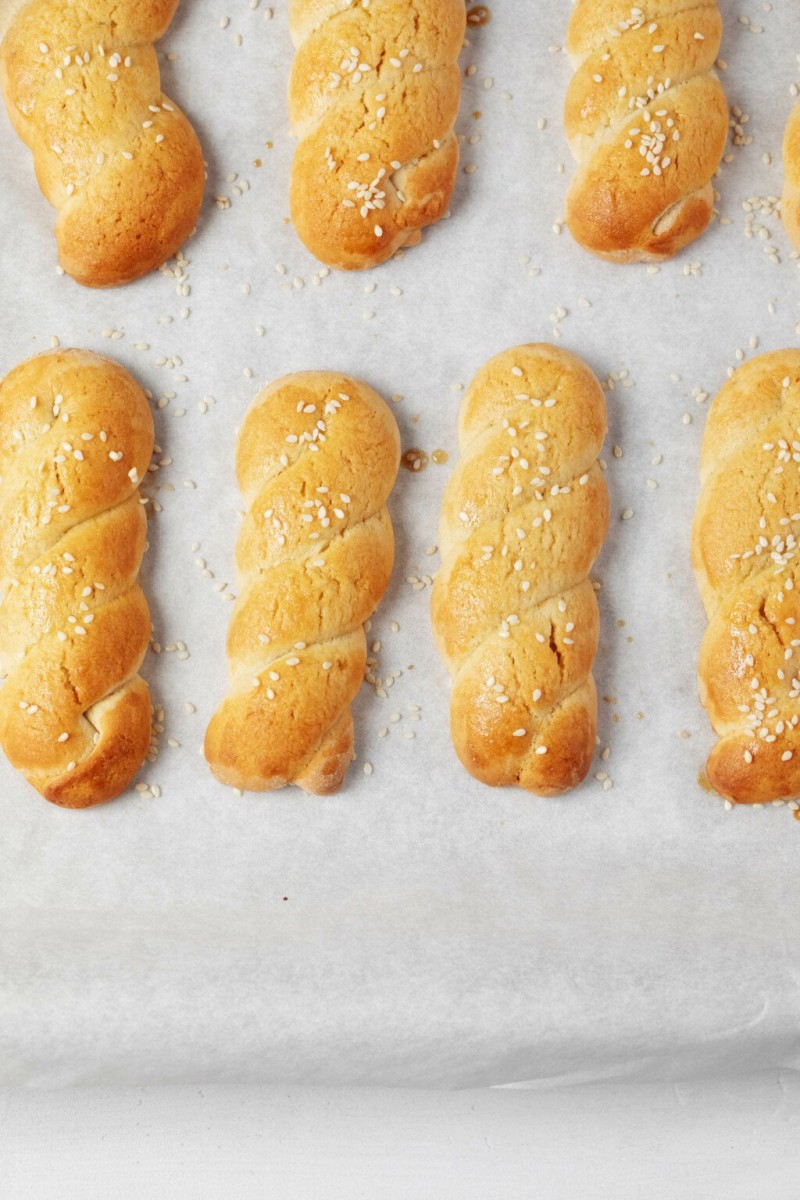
[(724, 1140)]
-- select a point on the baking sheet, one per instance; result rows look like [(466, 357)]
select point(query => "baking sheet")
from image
[(416, 929)]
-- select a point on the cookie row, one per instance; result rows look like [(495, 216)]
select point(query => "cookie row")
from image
[(514, 613), (373, 99)]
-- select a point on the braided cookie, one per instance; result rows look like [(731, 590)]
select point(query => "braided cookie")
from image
[(744, 552), (373, 98), (76, 436), (647, 121), (514, 615), (790, 202), (316, 460), (117, 159)]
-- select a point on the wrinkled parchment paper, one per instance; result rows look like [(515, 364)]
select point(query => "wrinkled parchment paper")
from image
[(416, 929)]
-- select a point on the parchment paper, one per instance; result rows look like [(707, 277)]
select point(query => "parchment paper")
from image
[(416, 929)]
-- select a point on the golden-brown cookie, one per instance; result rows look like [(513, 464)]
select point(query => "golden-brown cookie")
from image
[(373, 98), (790, 200), (114, 156), (76, 437), (744, 551), (514, 614), (647, 120), (317, 457)]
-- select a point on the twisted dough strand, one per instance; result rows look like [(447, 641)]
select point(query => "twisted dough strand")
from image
[(745, 555), (790, 200), (316, 460), (76, 435), (647, 121), (115, 157), (514, 615), (373, 98)]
